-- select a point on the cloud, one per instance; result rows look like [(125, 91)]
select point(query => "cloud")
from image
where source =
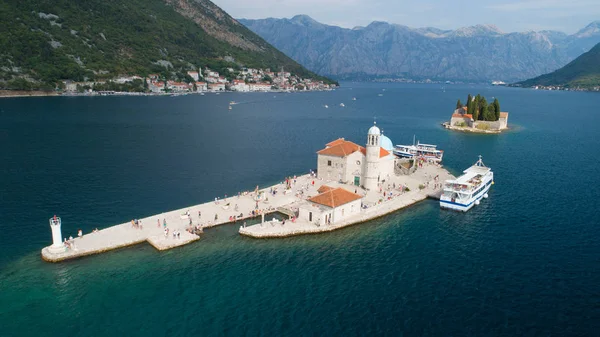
[(528, 5)]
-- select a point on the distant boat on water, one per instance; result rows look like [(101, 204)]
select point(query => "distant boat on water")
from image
[(342, 105), (326, 106), (354, 98)]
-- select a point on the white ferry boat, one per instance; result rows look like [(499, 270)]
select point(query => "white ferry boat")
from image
[(428, 152), (467, 190)]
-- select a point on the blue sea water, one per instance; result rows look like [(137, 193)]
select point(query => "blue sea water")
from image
[(524, 262)]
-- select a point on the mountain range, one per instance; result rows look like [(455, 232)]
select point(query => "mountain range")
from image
[(581, 73), (478, 53), (43, 42)]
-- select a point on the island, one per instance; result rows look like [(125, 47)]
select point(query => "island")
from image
[(352, 184), (478, 116)]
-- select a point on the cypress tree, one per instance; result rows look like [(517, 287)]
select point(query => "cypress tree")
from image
[(459, 104), (475, 108), (497, 109), (492, 111), (482, 108)]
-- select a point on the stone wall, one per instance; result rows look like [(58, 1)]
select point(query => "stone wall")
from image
[(336, 171), (488, 125), (456, 121)]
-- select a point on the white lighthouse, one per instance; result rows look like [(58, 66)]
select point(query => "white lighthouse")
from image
[(57, 244), (372, 158)]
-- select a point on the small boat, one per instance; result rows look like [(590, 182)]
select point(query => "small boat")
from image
[(462, 193), (326, 106), (354, 98), (230, 107), (342, 105), (232, 103)]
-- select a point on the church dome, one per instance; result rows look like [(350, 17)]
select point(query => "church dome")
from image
[(387, 144), (374, 130)]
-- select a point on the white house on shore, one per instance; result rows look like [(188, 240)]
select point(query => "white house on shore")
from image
[(330, 206), (347, 162), (260, 87), (201, 86), (216, 86), (239, 85), (194, 75)]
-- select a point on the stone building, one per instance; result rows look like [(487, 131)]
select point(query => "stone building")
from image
[(331, 205), (347, 162)]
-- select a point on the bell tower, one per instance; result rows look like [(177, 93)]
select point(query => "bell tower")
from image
[(371, 175)]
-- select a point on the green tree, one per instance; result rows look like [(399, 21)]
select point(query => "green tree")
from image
[(475, 108), (497, 108), (491, 111), (482, 108), (469, 99), (459, 104)]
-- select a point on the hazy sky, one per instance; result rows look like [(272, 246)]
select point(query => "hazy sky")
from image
[(509, 15)]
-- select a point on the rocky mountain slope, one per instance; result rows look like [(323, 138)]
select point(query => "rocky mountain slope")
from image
[(583, 72), (479, 53), (43, 42)]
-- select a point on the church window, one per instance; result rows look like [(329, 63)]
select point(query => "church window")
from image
[(358, 162), (329, 163)]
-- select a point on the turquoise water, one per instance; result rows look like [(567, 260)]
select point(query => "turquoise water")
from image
[(524, 262)]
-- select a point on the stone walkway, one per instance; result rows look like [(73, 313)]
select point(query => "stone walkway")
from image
[(377, 209), (152, 229)]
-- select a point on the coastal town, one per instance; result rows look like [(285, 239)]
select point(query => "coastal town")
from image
[(352, 184), (200, 81)]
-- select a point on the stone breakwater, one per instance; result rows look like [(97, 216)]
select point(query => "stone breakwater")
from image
[(239, 208), (206, 215)]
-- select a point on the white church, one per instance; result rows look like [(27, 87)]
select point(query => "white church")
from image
[(347, 162)]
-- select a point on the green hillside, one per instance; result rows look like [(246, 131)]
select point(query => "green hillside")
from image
[(45, 41), (583, 72)]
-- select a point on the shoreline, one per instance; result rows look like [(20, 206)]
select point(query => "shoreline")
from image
[(447, 126), (23, 93)]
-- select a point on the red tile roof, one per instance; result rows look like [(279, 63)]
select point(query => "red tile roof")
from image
[(335, 197), (335, 142), (341, 148), (504, 115), (324, 188), (462, 116)]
